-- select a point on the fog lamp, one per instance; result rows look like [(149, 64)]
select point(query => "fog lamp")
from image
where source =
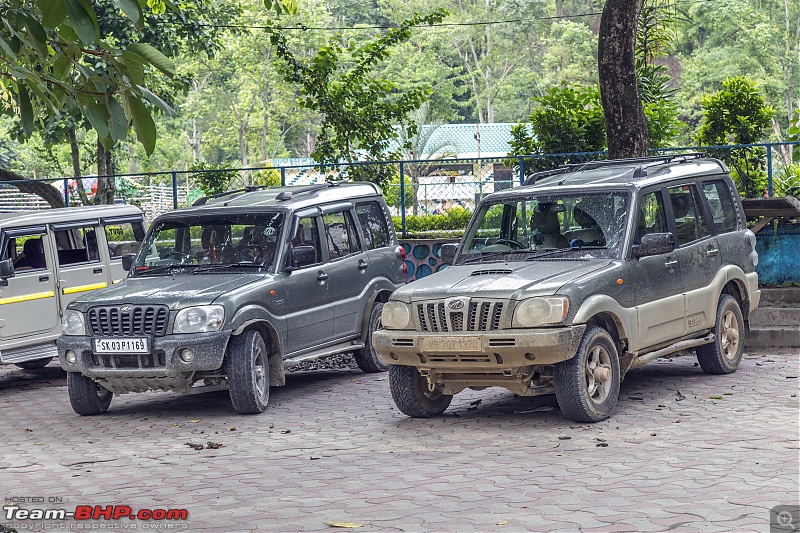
[(187, 355), (70, 357)]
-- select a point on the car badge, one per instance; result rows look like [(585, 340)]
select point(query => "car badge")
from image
[(126, 309), (455, 305)]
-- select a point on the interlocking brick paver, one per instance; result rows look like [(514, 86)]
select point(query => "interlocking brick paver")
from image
[(501, 467)]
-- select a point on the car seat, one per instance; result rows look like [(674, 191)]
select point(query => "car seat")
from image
[(548, 226), (589, 233), (32, 255)]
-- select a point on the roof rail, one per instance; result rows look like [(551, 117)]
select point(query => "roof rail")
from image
[(531, 180), (295, 189), (250, 188)]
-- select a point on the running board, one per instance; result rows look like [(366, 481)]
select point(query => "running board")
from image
[(29, 353), (323, 352), (672, 348)]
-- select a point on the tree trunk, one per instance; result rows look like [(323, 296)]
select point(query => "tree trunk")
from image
[(264, 134), (626, 126), (45, 191), (243, 143), (76, 165), (105, 185)]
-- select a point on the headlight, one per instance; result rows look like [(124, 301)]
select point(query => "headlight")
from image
[(396, 315), (73, 323), (539, 311), (199, 319)]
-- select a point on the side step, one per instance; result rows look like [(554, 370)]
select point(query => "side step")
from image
[(323, 352), (29, 353)]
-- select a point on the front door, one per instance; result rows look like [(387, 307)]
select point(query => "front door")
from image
[(28, 304), (309, 308), (79, 264), (659, 298), (349, 272)]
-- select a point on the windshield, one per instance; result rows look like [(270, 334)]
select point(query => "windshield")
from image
[(210, 243), (581, 225)]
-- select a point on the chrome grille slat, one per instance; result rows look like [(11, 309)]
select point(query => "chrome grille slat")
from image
[(141, 320), (436, 317)]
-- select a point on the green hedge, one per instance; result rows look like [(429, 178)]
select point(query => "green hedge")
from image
[(453, 223)]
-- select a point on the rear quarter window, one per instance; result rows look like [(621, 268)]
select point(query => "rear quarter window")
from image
[(373, 224), (720, 200)]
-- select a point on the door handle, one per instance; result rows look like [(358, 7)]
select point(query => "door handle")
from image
[(362, 265), (44, 278), (97, 271), (712, 252), (671, 264), (322, 276)]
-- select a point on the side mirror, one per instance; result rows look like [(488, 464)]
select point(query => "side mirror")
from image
[(303, 256), (6, 270), (654, 244), (449, 251), (127, 261)]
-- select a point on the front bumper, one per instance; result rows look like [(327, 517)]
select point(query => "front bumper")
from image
[(478, 352), (162, 361)]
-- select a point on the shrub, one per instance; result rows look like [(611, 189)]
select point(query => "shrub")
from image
[(453, 223), (213, 179)]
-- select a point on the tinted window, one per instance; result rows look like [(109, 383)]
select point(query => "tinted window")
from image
[(123, 238), (720, 199), (651, 217), (308, 235), (374, 225), (689, 219), (27, 253), (77, 245), (340, 234)]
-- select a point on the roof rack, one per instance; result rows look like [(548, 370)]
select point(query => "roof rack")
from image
[(285, 195)]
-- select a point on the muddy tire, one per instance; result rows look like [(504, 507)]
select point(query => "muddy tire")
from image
[(587, 386), (412, 395), (724, 354), (86, 396), (367, 358), (34, 365), (248, 373)]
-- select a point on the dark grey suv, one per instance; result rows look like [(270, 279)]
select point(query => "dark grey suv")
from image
[(561, 286), (232, 291)]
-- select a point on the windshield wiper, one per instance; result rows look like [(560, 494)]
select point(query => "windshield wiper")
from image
[(212, 268), (159, 269), (488, 255), (562, 250)]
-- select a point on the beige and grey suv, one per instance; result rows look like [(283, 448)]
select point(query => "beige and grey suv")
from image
[(562, 285), (229, 293)]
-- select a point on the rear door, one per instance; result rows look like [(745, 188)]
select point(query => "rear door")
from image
[(80, 265), (28, 303)]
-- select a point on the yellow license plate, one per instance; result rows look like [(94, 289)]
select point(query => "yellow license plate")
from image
[(454, 345)]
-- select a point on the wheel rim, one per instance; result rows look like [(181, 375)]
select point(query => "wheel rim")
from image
[(597, 374), (259, 371), (729, 335)]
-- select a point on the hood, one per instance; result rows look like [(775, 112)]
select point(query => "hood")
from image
[(516, 280), (176, 291)]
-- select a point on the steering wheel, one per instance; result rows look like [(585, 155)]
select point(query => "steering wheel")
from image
[(511, 243), (250, 253), (180, 256)]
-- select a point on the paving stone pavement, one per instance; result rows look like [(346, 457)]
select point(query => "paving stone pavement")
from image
[(684, 451)]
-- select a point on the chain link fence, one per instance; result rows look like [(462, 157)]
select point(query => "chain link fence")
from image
[(427, 198)]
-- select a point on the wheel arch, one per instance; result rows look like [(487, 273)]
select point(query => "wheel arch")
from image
[(277, 374), (604, 311), (380, 295)]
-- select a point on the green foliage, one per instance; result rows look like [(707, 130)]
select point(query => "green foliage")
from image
[(213, 179), (269, 177), (456, 219), (787, 183), (738, 114), (358, 110)]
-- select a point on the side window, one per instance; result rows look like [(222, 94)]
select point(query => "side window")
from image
[(77, 245), (340, 234), (123, 238), (374, 225), (720, 200), (651, 218), (27, 253), (308, 235), (689, 220)]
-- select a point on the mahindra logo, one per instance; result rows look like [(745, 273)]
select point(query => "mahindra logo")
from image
[(455, 305), (126, 309)]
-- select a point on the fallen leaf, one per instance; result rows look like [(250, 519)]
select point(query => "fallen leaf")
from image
[(232, 429), (195, 446), (285, 431), (652, 434), (379, 379), (564, 438), (192, 421), (315, 457), (502, 522), (680, 397), (213, 445), (727, 394), (716, 397), (476, 402), (601, 444), (28, 430), (636, 398), (348, 525)]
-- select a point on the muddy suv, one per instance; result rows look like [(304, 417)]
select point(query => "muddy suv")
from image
[(564, 284), (229, 293)]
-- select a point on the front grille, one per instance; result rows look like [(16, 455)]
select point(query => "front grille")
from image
[(479, 316), (157, 360), (139, 320)]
